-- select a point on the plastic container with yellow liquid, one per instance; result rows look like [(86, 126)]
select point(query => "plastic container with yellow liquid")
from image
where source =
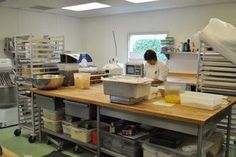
[(82, 80), (172, 92)]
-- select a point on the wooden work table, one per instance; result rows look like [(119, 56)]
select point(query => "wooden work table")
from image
[(189, 79), (95, 96), (179, 118)]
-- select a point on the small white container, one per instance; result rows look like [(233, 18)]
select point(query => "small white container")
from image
[(81, 134), (201, 100)]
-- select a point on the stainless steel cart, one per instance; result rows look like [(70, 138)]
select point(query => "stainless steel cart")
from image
[(33, 56)]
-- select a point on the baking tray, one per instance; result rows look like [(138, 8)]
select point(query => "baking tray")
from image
[(224, 74), (214, 58), (219, 79), (230, 85), (217, 64), (218, 90), (220, 69)]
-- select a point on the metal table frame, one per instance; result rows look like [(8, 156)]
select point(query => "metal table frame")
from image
[(184, 127)]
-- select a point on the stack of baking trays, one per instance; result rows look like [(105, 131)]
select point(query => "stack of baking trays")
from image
[(216, 74)]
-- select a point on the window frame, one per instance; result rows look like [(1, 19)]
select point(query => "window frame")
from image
[(141, 33)]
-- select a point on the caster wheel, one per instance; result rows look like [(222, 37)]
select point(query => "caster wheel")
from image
[(77, 149), (32, 139), (49, 142), (17, 132), (60, 147)]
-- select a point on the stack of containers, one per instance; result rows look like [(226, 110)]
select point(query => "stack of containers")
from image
[(83, 132), (53, 119), (168, 45)]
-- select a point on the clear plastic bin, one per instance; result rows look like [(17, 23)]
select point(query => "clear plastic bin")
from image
[(53, 114), (82, 134), (68, 71), (82, 80), (127, 87), (121, 145), (201, 100), (52, 125), (66, 127), (156, 152)]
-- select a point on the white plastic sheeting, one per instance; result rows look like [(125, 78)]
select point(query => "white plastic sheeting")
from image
[(221, 36)]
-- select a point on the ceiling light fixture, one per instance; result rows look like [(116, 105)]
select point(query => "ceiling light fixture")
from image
[(141, 1), (87, 6)]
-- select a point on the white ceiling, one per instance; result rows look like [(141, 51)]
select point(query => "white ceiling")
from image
[(118, 6)]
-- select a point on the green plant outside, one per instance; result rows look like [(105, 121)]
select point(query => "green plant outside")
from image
[(140, 46)]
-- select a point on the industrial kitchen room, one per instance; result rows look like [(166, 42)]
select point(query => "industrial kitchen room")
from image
[(117, 78)]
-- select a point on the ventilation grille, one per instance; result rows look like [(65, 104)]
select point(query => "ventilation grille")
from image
[(39, 7)]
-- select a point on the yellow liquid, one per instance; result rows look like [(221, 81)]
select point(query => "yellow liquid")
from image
[(82, 82), (172, 98)]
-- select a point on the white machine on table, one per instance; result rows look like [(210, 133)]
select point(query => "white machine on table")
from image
[(134, 69), (8, 109)]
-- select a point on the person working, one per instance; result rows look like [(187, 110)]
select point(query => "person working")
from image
[(155, 69)]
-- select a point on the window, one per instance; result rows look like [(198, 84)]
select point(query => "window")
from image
[(139, 43)]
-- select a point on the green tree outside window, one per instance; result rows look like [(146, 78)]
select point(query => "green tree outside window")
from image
[(140, 46)]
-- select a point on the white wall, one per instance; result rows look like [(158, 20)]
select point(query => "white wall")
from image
[(181, 23), (16, 22)]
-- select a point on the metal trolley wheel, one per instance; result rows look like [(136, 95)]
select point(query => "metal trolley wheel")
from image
[(32, 139), (17, 132), (77, 149)]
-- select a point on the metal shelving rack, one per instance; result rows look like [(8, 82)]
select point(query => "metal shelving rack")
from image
[(217, 75), (33, 56)]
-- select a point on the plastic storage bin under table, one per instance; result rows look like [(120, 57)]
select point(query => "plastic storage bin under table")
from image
[(82, 134), (153, 150), (80, 110), (48, 102), (121, 145), (53, 114), (52, 125), (66, 127)]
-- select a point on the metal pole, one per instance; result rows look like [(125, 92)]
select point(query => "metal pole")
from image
[(98, 132), (199, 141), (228, 132), (40, 129)]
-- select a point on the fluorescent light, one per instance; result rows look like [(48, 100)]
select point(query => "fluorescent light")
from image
[(87, 6), (141, 1)]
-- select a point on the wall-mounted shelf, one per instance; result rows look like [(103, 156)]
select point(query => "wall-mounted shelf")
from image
[(180, 53)]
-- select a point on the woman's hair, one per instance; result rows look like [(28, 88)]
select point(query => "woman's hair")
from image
[(150, 55)]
